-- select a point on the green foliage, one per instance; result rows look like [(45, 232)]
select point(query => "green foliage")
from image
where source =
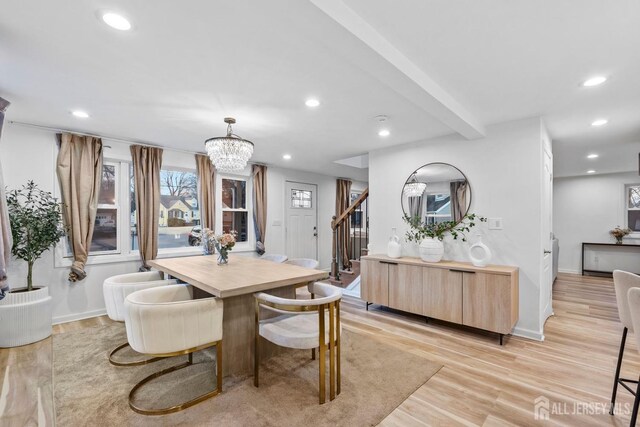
[(420, 231), (36, 224)]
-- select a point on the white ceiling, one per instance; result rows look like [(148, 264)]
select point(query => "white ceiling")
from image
[(186, 66)]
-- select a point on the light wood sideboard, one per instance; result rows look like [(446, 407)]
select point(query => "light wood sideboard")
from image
[(458, 292)]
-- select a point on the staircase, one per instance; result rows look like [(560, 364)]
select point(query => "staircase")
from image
[(350, 234)]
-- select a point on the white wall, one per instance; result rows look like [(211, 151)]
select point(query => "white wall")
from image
[(30, 154), (585, 209), (504, 170)]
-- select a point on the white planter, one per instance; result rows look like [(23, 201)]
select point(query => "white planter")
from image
[(431, 250), (25, 317)]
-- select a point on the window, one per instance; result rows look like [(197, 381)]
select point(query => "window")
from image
[(301, 199), (632, 206), (235, 216), (179, 212)]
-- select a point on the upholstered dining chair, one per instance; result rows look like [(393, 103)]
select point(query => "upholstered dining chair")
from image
[(623, 281), (304, 262), (634, 311), (302, 324), (116, 289), (274, 258), (167, 322)]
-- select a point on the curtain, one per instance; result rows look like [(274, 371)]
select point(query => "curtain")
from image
[(458, 197), (147, 162), (343, 199), (79, 169), (206, 188), (415, 207), (259, 173), (5, 230)]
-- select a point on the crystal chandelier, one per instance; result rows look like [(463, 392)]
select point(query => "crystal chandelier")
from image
[(229, 153), (413, 188)]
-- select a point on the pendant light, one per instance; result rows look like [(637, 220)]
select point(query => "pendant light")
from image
[(413, 188), (229, 153)]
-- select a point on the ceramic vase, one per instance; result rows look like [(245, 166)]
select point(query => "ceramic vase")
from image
[(431, 250), (480, 253), (394, 249)]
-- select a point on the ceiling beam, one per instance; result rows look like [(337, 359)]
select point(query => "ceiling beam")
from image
[(414, 84)]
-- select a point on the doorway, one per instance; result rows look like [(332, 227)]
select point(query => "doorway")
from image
[(301, 223)]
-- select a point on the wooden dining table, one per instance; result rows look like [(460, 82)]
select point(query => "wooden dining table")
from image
[(235, 283)]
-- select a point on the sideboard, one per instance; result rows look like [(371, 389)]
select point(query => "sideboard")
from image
[(458, 292)]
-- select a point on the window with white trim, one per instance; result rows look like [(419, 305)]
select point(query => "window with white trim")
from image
[(235, 213), (632, 207)]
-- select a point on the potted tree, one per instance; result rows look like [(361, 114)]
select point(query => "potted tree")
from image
[(36, 226)]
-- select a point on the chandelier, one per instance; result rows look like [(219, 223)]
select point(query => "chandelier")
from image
[(229, 153), (413, 188)]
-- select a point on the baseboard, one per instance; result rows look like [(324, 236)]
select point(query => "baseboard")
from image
[(528, 333), (562, 270), (79, 316)]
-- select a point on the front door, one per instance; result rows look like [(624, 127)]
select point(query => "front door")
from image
[(301, 221), (546, 286)]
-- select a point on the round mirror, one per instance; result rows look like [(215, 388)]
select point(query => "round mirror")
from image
[(435, 193)]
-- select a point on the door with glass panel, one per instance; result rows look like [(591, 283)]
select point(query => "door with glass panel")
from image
[(301, 226)]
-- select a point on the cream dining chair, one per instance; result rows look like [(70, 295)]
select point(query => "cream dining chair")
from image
[(623, 281), (116, 289), (302, 324), (634, 308), (166, 322), (304, 262), (274, 258)]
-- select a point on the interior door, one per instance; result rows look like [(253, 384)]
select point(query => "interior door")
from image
[(546, 285), (301, 226)]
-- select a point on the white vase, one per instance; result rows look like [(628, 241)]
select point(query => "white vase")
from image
[(480, 253), (25, 317), (431, 250), (394, 249)]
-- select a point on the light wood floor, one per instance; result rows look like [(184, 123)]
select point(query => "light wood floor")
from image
[(480, 383)]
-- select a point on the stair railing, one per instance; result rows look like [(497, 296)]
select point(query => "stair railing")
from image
[(354, 224)]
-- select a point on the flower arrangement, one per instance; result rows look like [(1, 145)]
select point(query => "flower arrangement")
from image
[(619, 233), (223, 244), (420, 231)]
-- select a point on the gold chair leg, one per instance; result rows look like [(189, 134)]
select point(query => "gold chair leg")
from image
[(134, 363), (183, 405), (338, 346), (322, 355), (332, 353)]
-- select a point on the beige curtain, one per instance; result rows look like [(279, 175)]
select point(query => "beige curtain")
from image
[(206, 188), (79, 170), (458, 197), (5, 230), (259, 173), (147, 162), (343, 199)]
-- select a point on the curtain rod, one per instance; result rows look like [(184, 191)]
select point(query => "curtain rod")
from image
[(113, 138)]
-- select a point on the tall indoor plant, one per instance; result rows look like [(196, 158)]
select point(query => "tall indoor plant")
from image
[(430, 236), (36, 226)]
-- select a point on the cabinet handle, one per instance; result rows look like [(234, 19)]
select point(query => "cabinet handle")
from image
[(462, 271), (388, 262)]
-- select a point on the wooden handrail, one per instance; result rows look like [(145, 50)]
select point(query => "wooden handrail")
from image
[(343, 217)]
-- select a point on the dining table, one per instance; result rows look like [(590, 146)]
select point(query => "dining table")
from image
[(235, 283)]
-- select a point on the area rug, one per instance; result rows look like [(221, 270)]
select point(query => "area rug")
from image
[(376, 378)]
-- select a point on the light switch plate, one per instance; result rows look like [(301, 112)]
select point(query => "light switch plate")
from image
[(495, 223)]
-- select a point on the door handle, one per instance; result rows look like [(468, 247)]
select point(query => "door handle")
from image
[(388, 262), (547, 251)]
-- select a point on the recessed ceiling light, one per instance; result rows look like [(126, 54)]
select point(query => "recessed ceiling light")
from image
[(80, 114), (591, 171), (594, 81), (384, 132), (600, 122), (592, 156), (286, 156), (312, 102), (116, 21)]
